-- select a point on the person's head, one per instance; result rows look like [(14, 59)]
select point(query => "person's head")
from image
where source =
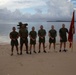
[(52, 27), (41, 27), (33, 28), (63, 25), (13, 28), (23, 26)]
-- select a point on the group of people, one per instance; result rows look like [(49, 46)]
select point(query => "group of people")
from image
[(23, 34)]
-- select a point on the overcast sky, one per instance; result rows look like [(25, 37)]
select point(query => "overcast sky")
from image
[(36, 10)]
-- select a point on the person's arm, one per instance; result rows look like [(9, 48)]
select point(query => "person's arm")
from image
[(31, 36), (36, 35), (17, 35), (27, 34), (67, 30), (39, 33), (56, 33), (45, 33), (11, 37), (60, 34), (20, 33), (50, 35)]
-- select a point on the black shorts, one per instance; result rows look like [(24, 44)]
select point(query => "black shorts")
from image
[(63, 40), (41, 40), (14, 42), (32, 42), (22, 41), (52, 40)]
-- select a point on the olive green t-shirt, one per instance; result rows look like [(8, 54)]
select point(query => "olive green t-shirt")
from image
[(23, 33), (53, 33), (14, 34), (63, 32), (42, 32), (33, 34)]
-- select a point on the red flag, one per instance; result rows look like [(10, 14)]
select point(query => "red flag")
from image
[(71, 30)]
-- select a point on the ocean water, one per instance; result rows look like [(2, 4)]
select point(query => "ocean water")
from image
[(6, 28)]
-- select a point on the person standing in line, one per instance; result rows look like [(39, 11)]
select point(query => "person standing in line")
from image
[(33, 36), (42, 34), (14, 40), (63, 37), (52, 37), (23, 33)]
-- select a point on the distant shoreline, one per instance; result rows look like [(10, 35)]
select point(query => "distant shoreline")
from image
[(60, 21)]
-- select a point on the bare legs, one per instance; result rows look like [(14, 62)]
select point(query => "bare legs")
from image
[(62, 43), (21, 46), (53, 45), (12, 48), (43, 47), (33, 48)]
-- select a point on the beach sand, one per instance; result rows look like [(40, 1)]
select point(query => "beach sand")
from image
[(50, 63)]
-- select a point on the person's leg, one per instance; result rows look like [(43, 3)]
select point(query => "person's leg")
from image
[(54, 46), (39, 47), (34, 48), (12, 47), (44, 47), (21, 46), (64, 47), (49, 45), (30, 48), (17, 50), (26, 44), (60, 46)]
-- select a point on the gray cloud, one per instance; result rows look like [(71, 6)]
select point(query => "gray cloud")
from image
[(55, 10)]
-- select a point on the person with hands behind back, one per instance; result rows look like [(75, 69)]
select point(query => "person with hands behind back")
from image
[(14, 40)]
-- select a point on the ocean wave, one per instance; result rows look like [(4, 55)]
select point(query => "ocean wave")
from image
[(4, 39)]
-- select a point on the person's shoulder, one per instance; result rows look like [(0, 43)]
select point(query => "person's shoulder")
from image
[(55, 30), (44, 30), (38, 30), (16, 32), (50, 30), (60, 28), (20, 30), (35, 32), (30, 31), (66, 28), (11, 32)]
